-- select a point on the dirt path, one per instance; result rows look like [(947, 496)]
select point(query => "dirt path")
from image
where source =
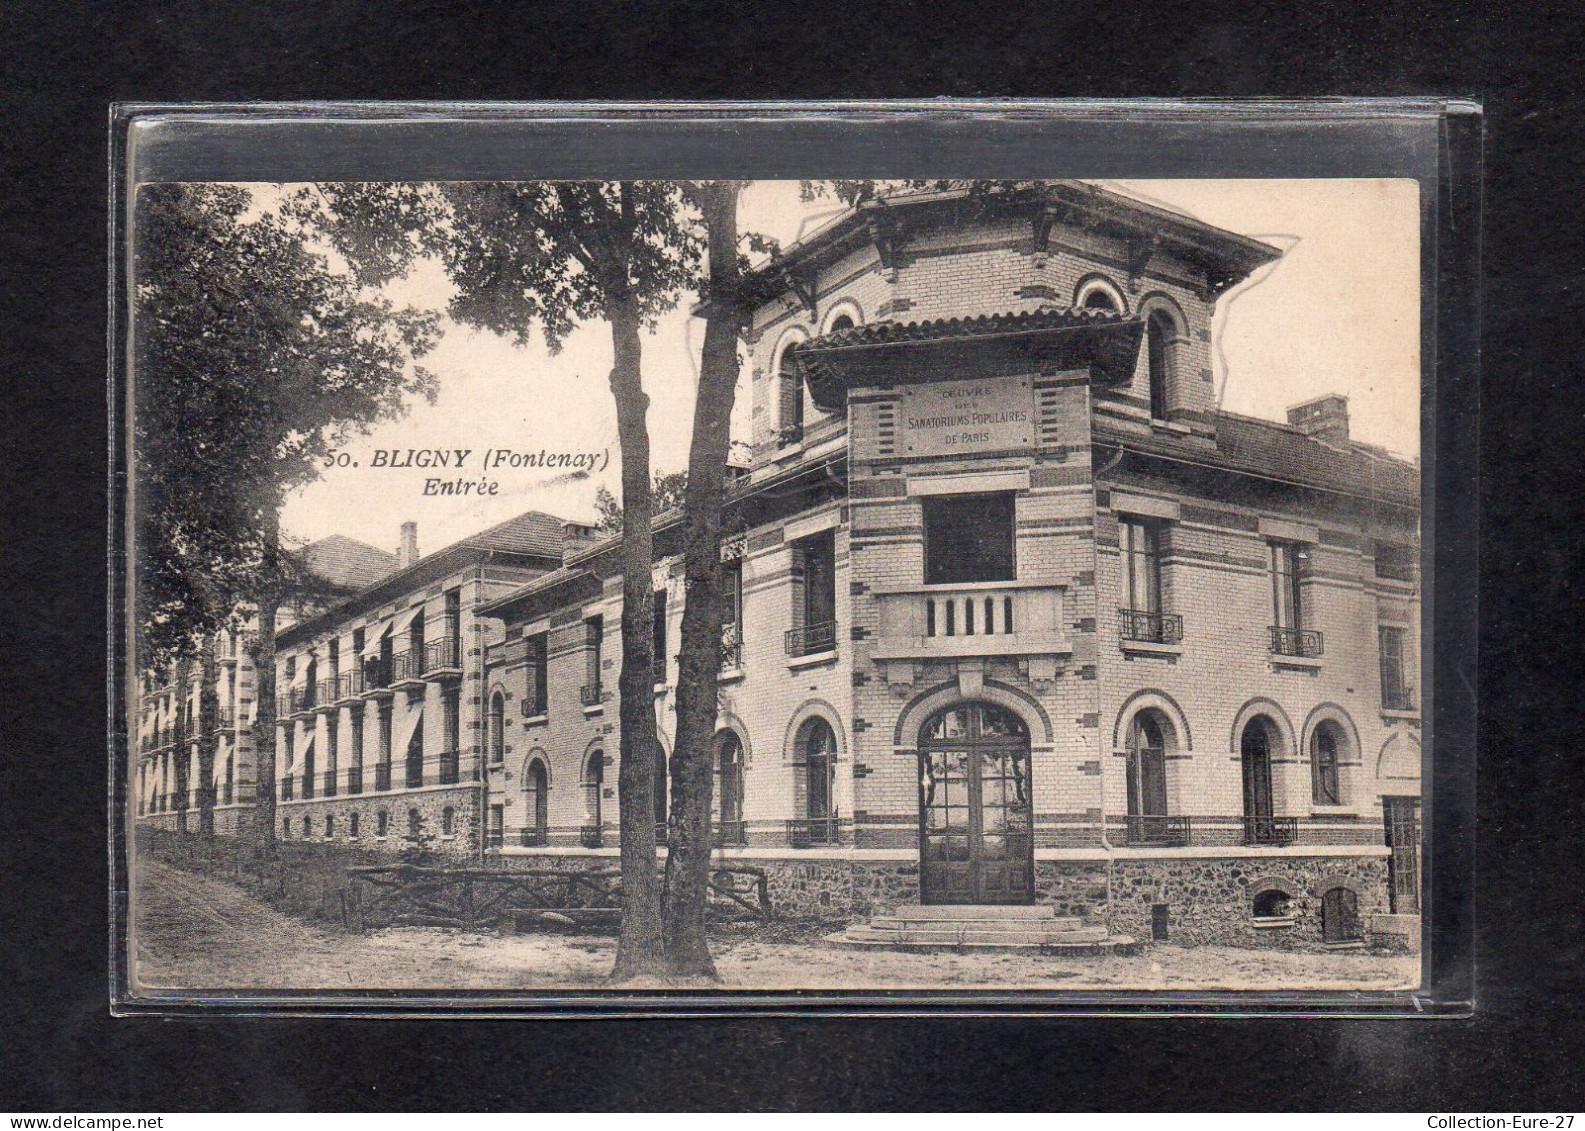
[(196, 933)]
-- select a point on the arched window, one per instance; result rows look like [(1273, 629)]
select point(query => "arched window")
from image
[(415, 824), (308, 827), (1159, 335), (286, 828), (1147, 779), (840, 322), (382, 823), (352, 826), (448, 821), (817, 750), (729, 768), (790, 383), (594, 784), (537, 802), (1255, 755), (1271, 904), (1096, 293), (1340, 916), (1324, 747), (497, 729), (330, 828)]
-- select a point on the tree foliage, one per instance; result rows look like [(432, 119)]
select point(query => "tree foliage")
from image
[(667, 492)]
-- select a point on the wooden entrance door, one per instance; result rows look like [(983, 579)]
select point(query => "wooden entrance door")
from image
[(1402, 816), (976, 842)]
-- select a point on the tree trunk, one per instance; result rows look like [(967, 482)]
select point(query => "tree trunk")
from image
[(208, 710), (182, 732), (263, 829), (638, 952), (692, 760)]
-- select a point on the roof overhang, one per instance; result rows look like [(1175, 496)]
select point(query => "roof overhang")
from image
[(887, 355)]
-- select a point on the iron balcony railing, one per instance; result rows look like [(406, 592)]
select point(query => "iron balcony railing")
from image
[(1275, 831), (355, 780), (807, 832), (1149, 628), (591, 836), (377, 673), (589, 694), (444, 654), (1399, 698), (224, 719), (534, 704), (532, 838), (731, 648), (811, 639), (283, 705), (728, 833), (382, 777), (450, 767), (1305, 643), (1157, 829), (349, 685), (406, 667), (326, 692)]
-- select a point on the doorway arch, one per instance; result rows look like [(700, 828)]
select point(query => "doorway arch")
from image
[(976, 816)]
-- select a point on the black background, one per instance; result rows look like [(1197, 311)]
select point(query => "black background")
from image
[(59, 1050)]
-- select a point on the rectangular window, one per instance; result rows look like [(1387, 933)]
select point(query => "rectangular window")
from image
[(385, 735), (660, 660), (969, 538), (1394, 562), (335, 659), (1287, 611), (357, 641), (732, 618), (1396, 692), (1140, 544), (357, 737), (537, 666), (814, 566), (594, 638)]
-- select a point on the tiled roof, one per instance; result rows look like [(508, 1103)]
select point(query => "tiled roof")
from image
[(887, 333), (1268, 448), (534, 533), (347, 563)]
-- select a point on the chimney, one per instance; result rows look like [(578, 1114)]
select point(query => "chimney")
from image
[(576, 536), (407, 551), (1325, 418)]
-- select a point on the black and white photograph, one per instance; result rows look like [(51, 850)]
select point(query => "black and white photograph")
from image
[(838, 586)]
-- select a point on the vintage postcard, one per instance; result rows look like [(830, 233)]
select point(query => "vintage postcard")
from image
[(948, 585)]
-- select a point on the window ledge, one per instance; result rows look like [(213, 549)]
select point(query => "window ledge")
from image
[(662, 688), (812, 660), (1391, 714), (1274, 924), (536, 720), (1303, 663), (1176, 429), (730, 675), (1150, 647), (594, 709), (1318, 809), (788, 451)]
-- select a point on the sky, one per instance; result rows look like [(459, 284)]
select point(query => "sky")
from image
[(1339, 312)]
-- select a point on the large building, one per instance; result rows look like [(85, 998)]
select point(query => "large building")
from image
[(1020, 616)]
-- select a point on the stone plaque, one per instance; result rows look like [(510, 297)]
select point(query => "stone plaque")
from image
[(951, 418)]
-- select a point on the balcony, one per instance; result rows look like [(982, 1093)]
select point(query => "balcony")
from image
[(1399, 697), (590, 694), (378, 673), (443, 659), (812, 832), (1149, 628), (450, 767), (355, 780), (349, 687), (325, 694), (730, 834), (992, 618), (1299, 643), (731, 648), (224, 719), (533, 707), (1156, 830), (406, 671), (592, 836), (811, 639), (283, 705), (382, 777), (532, 838), (1271, 831)]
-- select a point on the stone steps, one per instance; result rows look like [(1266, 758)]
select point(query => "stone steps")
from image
[(968, 927)]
